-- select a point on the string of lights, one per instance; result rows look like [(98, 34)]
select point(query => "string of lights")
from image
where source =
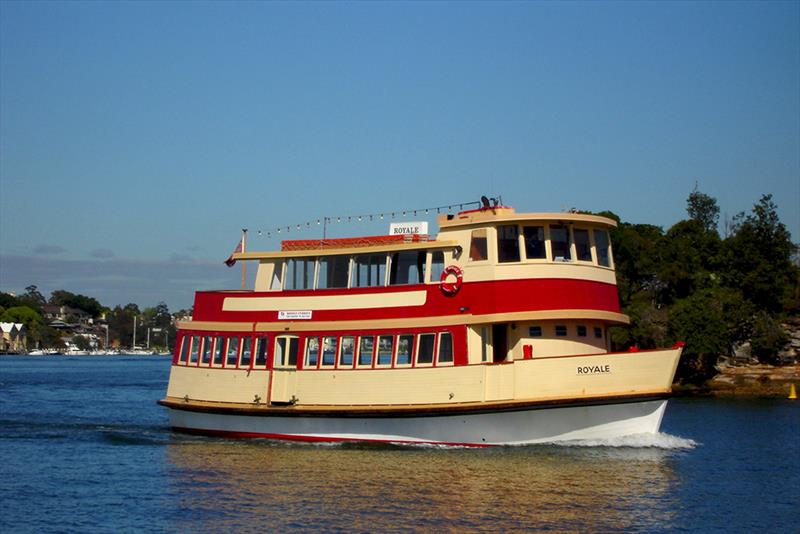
[(281, 230)]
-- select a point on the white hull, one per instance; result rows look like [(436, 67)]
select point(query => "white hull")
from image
[(480, 429)]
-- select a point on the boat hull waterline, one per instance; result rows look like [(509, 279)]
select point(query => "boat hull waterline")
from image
[(542, 425)]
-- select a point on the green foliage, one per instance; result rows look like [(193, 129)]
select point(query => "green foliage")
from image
[(703, 209), (768, 339), (690, 253), (80, 302), (22, 314), (637, 258)]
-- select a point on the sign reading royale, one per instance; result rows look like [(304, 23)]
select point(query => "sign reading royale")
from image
[(594, 369), (409, 228)]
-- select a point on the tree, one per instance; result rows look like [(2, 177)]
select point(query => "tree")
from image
[(768, 339), (758, 258), (637, 259), (703, 209), (690, 255), (80, 302), (32, 298)]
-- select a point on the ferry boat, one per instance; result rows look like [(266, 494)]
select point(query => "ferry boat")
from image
[(495, 332)]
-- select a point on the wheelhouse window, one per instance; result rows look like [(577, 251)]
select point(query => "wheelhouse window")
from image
[(583, 248), (408, 267), (369, 270), (559, 242), (602, 248), (348, 348), (405, 349), (277, 273), (247, 352), (425, 350), (535, 246), (507, 243), (299, 273), (333, 272), (312, 352), (385, 349), (329, 345), (437, 265), (261, 352), (366, 347), (286, 351), (232, 354), (445, 348), (478, 249)]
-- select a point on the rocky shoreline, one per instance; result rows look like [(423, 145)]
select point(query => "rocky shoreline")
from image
[(766, 381)]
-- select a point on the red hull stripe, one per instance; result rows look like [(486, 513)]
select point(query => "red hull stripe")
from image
[(314, 439)]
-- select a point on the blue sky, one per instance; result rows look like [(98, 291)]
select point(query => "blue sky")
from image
[(138, 138)]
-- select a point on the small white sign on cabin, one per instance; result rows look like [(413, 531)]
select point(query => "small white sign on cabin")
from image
[(303, 315), (409, 228)]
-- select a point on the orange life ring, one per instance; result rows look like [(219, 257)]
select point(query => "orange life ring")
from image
[(451, 288)]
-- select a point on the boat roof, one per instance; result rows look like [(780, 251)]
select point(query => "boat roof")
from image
[(501, 214)]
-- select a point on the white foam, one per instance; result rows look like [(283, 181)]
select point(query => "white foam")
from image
[(636, 441)]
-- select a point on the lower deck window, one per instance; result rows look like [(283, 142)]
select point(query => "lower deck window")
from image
[(535, 331), (598, 332), (184, 354), (261, 351), (312, 352), (425, 350), (206, 354), (348, 347), (581, 330), (385, 349), (561, 330), (445, 348), (233, 352), (219, 350), (405, 348), (247, 352), (366, 347), (329, 351), (286, 352)]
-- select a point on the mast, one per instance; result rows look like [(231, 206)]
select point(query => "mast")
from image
[(244, 263)]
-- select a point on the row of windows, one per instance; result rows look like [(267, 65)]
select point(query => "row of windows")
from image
[(561, 331), (556, 242), (323, 352), (363, 270)]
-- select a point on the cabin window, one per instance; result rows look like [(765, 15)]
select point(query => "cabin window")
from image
[(247, 347), (534, 242), (369, 270), (559, 242), (333, 272), (385, 349), (405, 348), (348, 348), (312, 352), (277, 272), (445, 348), (598, 332), (561, 330), (261, 352), (425, 350), (484, 344), (233, 352), (437, 265), (581, 330), (299, 273), (206, 354), (535, 331), (602, 248), (286, 351), (329, 351), (195, 351), (219, 350), (507, 243), (184, 354), (478, 250), (366, 348), (407, 267), (583, 248)]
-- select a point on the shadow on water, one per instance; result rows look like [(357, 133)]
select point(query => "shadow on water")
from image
[(233, 485)]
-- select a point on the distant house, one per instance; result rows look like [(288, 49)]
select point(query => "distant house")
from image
[(64, 315), (14, 338)]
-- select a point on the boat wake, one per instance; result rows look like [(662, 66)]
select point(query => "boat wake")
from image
[(635, 441)]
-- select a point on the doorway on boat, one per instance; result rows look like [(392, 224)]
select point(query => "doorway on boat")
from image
[(499, 342), (284, 371)]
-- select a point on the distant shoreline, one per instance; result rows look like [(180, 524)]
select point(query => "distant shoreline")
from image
[(754, 381)]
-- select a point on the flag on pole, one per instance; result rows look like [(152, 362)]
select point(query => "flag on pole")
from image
[(230, 261)]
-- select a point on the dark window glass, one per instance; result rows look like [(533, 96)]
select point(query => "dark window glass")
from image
[(247, 347), (333, 272), (559, 241), (299, 273), (437, 265), (534, 242), (286, 352), (185, 341), (581, 331), (193, 354), (329, 350), (598, 332), (407, 267), (426, 343), (445, 348), (385, 346), (312, 352), (561, 331), (206, 354), (602, 248), (369, 270), (507, 243), (583, 248), (219, 348), (535, 331)]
